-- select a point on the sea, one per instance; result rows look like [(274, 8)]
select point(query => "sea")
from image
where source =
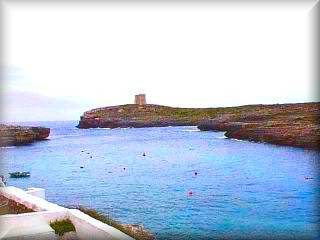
[(178, 182)]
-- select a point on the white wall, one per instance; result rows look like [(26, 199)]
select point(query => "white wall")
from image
[(45, 212), (38, 192)]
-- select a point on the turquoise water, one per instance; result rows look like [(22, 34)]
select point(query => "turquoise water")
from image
[(241, 190)]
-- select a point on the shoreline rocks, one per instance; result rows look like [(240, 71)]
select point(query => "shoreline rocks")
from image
[(20, 135), (136, 231), (295, 125), (136, 116), (282, 124)]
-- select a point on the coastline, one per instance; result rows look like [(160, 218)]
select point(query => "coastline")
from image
[(13, 135), (295, 125), (115, 192)]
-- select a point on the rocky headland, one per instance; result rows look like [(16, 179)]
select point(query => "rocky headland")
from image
[(138, 116), (19, 135), (294, 125), (283, 124)]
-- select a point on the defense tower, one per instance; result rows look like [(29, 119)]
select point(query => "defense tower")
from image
[(140, 99)]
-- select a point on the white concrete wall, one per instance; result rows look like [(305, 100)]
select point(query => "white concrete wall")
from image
[(26, 219), (46, 212), (92, 229), (20, 226), (38, 192), (35, 203)]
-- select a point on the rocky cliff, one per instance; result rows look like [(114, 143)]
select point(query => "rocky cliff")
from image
[(133, 115), (19, 135), (290, 125), (284, 124)]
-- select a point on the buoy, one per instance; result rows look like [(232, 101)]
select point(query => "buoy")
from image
[(196, 173), (190, 193), (124, 168), (144, 154)]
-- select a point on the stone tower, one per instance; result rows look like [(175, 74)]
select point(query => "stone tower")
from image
[(140, 99)]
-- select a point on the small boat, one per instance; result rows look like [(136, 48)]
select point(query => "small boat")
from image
[(19, 174)]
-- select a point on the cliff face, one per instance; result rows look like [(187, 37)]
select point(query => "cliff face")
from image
[(18, 135), (133, 115), (283, 124), (290, 125)]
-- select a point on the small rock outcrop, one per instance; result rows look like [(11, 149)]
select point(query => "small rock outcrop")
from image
[(20, 135)]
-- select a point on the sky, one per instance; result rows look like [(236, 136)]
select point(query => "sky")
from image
[(62, 58)]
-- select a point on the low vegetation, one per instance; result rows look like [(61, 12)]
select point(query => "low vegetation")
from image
[(61, 227), (294, 125), (135, 231)]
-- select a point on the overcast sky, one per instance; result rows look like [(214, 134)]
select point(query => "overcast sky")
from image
[(62, 59)]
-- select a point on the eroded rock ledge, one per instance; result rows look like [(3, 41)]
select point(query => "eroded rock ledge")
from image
[(132, 115), (284, 124), (20, 135), (294, 125)]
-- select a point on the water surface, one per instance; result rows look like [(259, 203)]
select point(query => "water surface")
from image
[(241, 189)]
